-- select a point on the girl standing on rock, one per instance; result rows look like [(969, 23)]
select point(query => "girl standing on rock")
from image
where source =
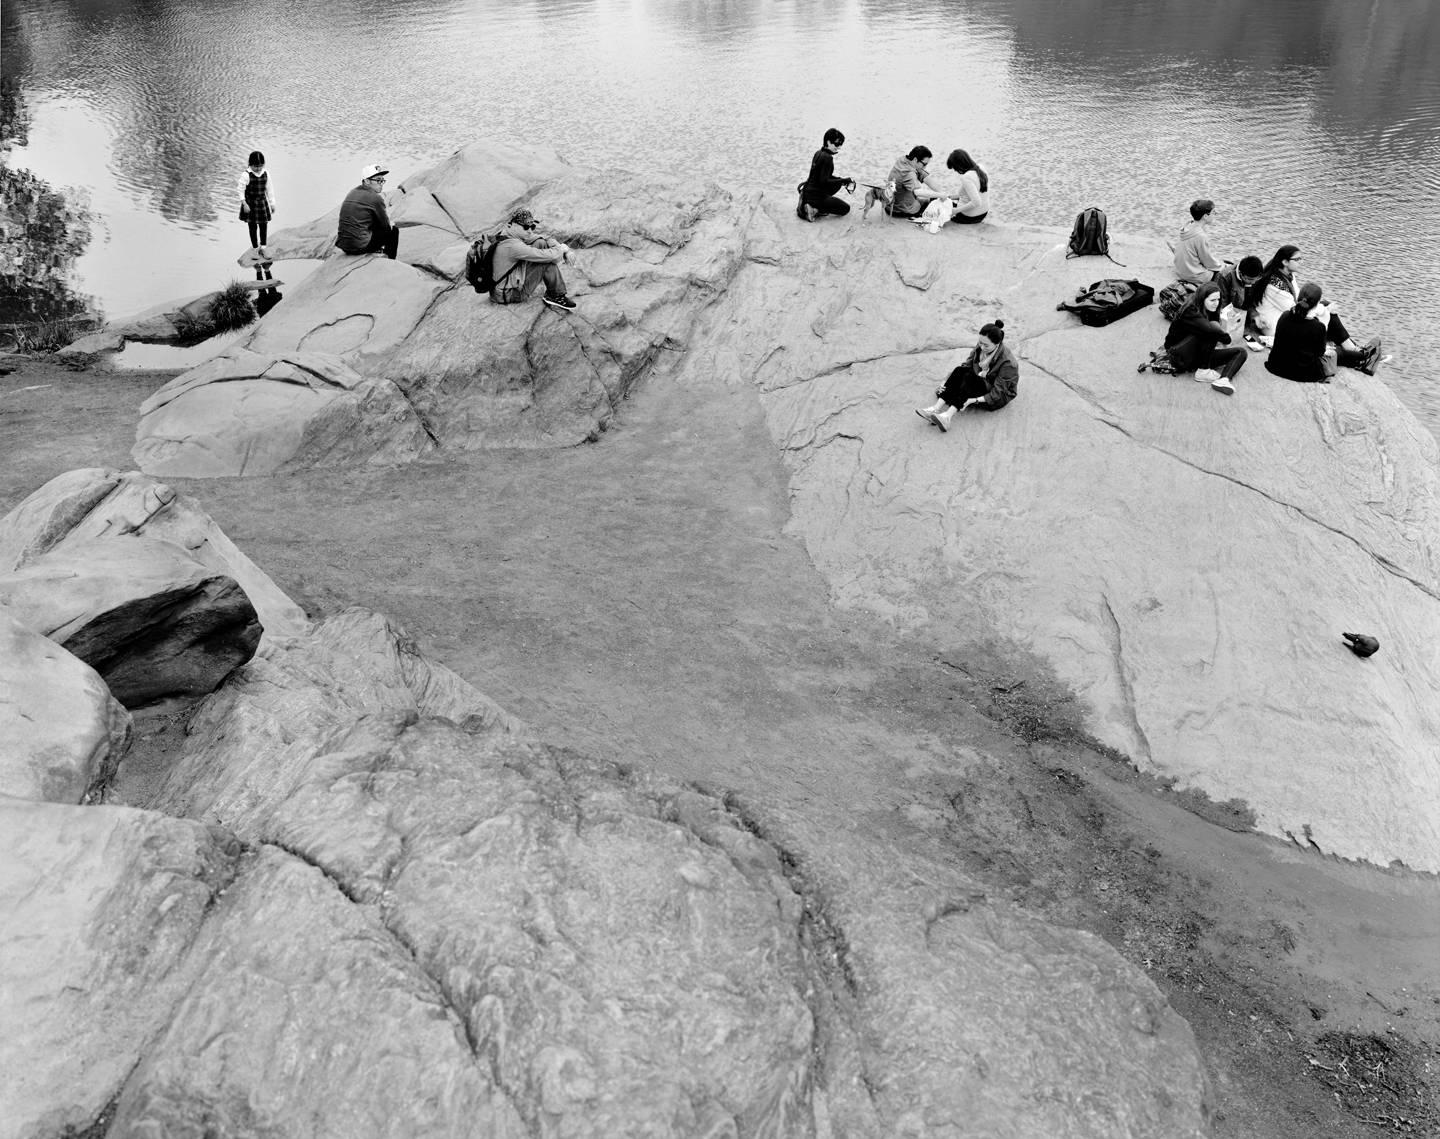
[(987, 380), (1196, 338), (257, 200)]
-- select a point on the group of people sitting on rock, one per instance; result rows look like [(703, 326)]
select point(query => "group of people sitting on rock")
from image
[(524, 259), (907, 191), (1255, 305)]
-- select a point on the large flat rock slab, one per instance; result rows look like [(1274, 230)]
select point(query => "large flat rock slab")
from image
[(253, 413), (62, 733), (1186, 562)]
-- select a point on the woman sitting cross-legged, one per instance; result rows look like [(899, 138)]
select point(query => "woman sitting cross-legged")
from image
[(987, 380), (1305, 350), (974, 201), (1197, 341)]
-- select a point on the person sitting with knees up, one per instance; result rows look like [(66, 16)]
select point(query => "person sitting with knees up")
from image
[(909, 175), (817, 192), (973, 202), (1197, 341), (1305, 350), (1235, 283), (987, 380), (525, 260)]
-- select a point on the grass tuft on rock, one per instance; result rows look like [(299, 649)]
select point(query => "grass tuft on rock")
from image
[(231, 308)]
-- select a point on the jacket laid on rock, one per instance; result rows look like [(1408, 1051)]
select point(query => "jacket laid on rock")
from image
[(1192, 337), (364, 221), (1299, 349), (1193, 259), (908, 176), (519, 244), (1001, 375), (822, 182)]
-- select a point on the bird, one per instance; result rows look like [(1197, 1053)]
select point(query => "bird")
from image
[(1361, 644)]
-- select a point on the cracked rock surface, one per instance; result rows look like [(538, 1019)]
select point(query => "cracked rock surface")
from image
[(1185, 561)]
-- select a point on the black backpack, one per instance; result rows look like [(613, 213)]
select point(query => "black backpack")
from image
[(1104, 302), (1090, 234), (480, 262)]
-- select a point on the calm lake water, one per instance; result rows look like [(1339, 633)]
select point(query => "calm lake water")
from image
[(1312, 121)]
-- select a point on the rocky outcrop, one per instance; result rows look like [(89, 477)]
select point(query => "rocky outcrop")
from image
[(101, 906), (61, 731), (259, 414), (1185, 561), (650, 256), (153, 622), (81, 506)]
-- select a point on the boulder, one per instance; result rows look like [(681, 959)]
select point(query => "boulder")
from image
[(63, 732), (153, 622), (248, 413), (1186, 562), (100, 907), (93, 502)]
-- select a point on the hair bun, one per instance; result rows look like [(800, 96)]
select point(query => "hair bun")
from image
[(998, 323)]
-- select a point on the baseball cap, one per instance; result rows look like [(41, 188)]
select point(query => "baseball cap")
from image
[(524, 217), (373, 172)]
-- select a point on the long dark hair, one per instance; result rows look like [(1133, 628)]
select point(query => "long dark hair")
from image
[(1195, 306), (1275, 267), (960, 161)]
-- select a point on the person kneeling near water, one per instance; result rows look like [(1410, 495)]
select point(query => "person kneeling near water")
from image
[(524, 260), (987, 380), (1305, 350), (1195, 341), (817, 192), (364, 222)]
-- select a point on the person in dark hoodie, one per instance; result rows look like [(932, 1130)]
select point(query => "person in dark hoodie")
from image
[(817, 192), (525, 260), (1305, 350), (1198, 343), (987, 380)]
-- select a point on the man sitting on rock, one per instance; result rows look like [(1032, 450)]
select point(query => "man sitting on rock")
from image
[(1193, 259), (364, 222), (524, 260)]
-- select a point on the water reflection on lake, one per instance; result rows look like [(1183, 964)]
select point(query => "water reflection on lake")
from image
[(1313, 121)]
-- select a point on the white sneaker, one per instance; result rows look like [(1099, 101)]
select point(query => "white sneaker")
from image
[(1223, 386), (1206, 375), (942, 420)]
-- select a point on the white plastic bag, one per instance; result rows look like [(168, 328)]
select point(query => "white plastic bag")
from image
[(1232, 320), (937, 213)]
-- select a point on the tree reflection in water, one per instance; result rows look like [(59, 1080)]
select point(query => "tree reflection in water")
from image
[(42, 233)]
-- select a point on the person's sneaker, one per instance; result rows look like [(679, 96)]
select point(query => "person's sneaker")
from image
[(926, 415), (811, 213), (1206, 375), (565, 304), (942, 420), (1223, 386)]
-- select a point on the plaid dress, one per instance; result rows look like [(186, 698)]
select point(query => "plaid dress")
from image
[(257, 195)]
